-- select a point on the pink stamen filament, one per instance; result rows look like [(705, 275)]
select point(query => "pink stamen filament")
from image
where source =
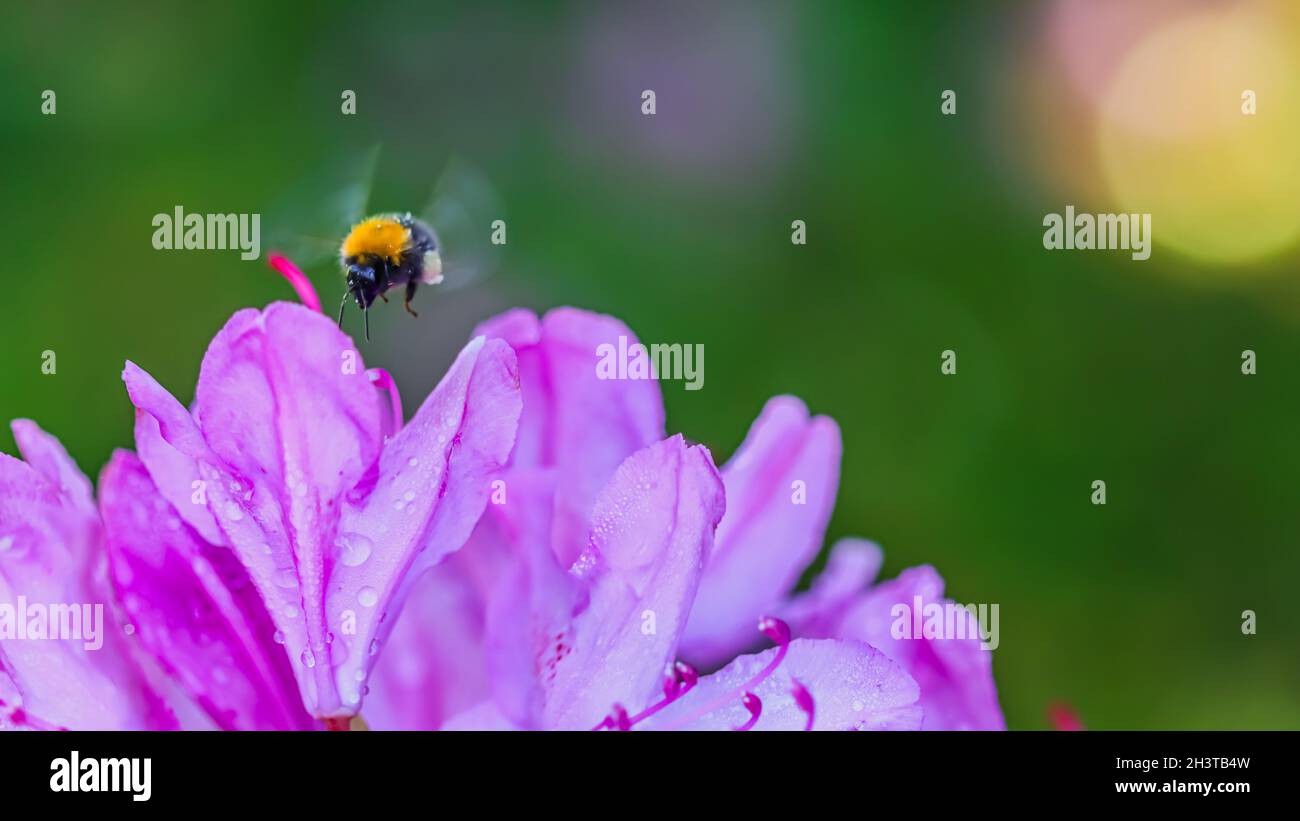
[(776, 630), (804, 699), (382, 379), (755, 707), (616, 720), (677, 683), (297, 279)]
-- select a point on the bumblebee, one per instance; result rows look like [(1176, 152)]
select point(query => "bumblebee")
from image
[(391, 249), (384, 252)]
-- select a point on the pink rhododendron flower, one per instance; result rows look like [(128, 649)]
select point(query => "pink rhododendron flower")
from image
[(568, 565)]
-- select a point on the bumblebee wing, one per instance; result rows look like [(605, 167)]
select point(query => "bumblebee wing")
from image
[(309, 224), (466, 215)]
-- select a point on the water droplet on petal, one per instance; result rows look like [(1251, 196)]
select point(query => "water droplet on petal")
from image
[(308, 659), (279, 637), (368, 597), (353, 549)]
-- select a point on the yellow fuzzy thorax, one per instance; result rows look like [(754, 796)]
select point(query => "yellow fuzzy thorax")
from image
[(378, 237)]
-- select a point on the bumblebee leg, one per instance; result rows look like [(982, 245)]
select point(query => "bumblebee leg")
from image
[(365, 312), (384, 298), (410, 292)]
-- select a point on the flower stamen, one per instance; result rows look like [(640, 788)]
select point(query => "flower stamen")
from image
[(804, 699), (297, 279), (755, 707), (776, 630)]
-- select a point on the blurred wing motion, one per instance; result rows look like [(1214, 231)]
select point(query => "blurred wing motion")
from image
[(309, 227), (463, 214)]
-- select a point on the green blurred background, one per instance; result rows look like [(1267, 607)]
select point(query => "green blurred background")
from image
[(924, 234)]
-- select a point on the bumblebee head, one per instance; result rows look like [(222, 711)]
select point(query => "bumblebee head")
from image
[(362, 283)]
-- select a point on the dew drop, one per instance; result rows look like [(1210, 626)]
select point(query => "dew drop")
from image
[(353, 549), (308, 659), (291, 611), (279, 637), (374, 647), (368, 597), (412, 461), (233, 513)]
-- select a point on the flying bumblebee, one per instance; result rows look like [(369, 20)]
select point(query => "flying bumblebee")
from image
[(388, 251), (448, 241)]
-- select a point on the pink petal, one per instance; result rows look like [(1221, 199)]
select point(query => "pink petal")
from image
[(773, 528), (651, 528), (47, 456), (160, 421), (533, 600), (853, 564), (955, 675), (573, 421), (433, 482), (194, 608), (432, 666), (49, 555), (853, 687)]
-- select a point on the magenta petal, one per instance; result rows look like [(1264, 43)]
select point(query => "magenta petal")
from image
[(651, 528), (573, 421), (955, 675), (194, 608), (47, 456), (817, 614), (169, 443), (433, 482), (533, 598), (49, 555), (853, 687), (432, 666), (781, 487)]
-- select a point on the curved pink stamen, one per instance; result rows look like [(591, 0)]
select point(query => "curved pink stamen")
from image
[(755, 707), (297, 279), (616, 720), (804, 699), (678, 681), (382, 379), (677, 684), (776, 630)]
